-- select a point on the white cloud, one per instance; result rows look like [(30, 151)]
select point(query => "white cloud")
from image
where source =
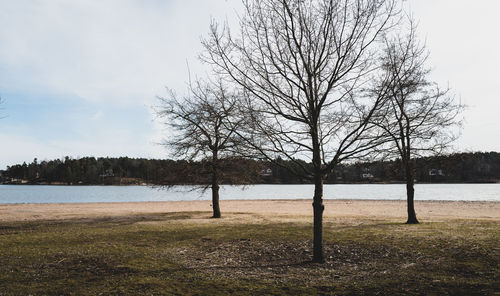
[(19, 147), (99, 139), (110, 54), (103, 50), (463, 41)]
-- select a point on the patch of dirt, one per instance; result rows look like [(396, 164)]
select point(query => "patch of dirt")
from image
[(345, 264), (97, 266), (287, 262)]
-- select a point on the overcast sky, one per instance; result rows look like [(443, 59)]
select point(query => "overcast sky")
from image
[(78, 77)]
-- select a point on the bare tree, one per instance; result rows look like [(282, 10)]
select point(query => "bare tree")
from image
[(419, 117), (204, 123), (300, 64)]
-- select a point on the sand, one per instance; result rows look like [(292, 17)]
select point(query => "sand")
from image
[(268, 209)]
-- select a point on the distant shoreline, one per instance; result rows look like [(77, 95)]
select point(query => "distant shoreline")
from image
[(338, 183)]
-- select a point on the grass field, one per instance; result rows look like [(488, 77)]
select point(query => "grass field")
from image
[(191, 254)]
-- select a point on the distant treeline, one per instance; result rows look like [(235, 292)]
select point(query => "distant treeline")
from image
[(460, 167), (125, 171), (478, 167)]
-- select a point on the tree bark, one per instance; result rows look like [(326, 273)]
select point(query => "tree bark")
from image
[(410, 194), (215, 199), (215, 187), (318, 209), (318, 206)]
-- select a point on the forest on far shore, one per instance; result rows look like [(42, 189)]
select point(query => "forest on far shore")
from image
[(475, 167)]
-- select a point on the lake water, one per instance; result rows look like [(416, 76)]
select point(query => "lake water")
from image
[(84, 194)]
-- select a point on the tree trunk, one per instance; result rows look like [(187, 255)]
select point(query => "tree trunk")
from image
[(318, 206), (318, 209), (410, 194), (215, 198), (215, 187)]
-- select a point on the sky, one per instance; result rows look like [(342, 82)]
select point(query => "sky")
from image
[(79, 78)]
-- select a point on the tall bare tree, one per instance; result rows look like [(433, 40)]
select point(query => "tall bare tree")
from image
[(419, 117), (300, 64), (204, 124)]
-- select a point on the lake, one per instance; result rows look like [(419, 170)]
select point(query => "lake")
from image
[(85, 194)]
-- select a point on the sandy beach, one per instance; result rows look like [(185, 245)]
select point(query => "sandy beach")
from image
[(268, 209)]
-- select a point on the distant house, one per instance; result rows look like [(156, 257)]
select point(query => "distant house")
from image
[(436, 172), (367, 176), (107, 173), (18, 181), (266, 172)]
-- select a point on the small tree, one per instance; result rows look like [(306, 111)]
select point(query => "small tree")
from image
[(300, 65), (418, 117), (204, 123)]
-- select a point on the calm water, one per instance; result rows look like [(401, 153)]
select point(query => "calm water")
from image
[(82, 194)]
